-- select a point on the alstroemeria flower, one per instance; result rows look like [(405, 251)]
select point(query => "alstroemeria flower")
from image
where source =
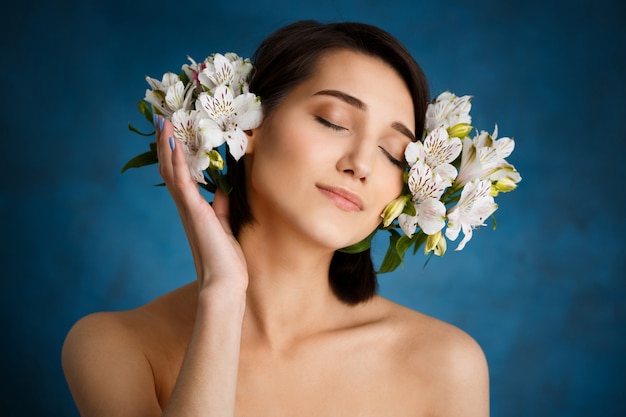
[(448, 110), (226, 117), (169, 94), (437, 151), (426, 188), (242, 68), (185, 125), (484, 156), (425, 183), (228, 69), (430, 216), (475, 205)]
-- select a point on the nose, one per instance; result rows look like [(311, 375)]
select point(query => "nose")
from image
[(358, 160)]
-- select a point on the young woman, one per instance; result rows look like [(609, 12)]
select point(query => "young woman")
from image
[(278, 323)]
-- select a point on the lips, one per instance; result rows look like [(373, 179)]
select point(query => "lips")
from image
[(342, 197)]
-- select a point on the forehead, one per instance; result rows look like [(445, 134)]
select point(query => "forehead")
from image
[(367, 78)]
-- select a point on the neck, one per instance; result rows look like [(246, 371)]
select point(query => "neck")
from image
[(288, 294)]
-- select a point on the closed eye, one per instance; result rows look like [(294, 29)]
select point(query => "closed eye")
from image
[(394, 160), (329, 124)]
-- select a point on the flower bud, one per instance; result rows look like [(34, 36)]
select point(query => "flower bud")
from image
[(394, 209), (503, 185), (460, 130), (215, 160), (436, 243)]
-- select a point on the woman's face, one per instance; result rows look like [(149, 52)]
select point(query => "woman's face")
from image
[(330, 157)]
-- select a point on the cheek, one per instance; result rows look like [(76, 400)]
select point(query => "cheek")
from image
[(279, 152), (389, 187)]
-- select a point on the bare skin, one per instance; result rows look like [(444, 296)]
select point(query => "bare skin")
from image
[(260, 333)]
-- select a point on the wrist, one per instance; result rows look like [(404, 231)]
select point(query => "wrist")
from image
[(218, 298)]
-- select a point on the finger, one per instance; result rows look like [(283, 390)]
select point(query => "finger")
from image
[(163, 150), (171, 154)]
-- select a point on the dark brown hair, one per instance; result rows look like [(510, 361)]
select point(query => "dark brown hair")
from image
[(287, 58)]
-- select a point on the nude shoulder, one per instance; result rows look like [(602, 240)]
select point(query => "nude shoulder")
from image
[(414, 327), (128, 359), (448, 358), (136, 327)]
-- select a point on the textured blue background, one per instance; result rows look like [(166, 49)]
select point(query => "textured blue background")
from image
[(544, 294)]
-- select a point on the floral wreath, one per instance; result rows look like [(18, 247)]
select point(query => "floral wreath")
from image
[(451, 178)]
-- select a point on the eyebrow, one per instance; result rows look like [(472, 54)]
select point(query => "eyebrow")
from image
[(358, 104), (404, 130)]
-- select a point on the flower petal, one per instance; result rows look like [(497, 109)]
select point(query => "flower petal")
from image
[(247, 111), (414, 152), (431, 214), (237, 143), (211, 133), (441, 148), (408, 224)]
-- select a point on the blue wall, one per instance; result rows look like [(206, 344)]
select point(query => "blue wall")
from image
[(544, 294)]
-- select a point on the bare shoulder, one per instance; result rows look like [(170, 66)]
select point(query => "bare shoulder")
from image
[(449, 359), (111, 359)]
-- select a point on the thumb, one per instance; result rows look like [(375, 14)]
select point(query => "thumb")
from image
[(221, 206)]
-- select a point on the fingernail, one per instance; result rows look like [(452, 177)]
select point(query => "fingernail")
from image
[(172, 144), (155, 119), (161, 121)]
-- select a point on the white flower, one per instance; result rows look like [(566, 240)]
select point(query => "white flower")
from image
[(168, 95), (225, 118), (218, 71), (437, 151), (484, 157), (242, 68), (448, 110), (426, 188), (185, 125), (425, 183), (430, 216), (475, 205), (228, 69)]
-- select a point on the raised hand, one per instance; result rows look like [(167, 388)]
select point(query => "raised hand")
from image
[(218, 258)]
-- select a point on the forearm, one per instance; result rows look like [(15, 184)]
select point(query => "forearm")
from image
[(207, 381)]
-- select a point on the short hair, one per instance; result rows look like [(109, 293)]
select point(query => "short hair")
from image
[(289, 57)]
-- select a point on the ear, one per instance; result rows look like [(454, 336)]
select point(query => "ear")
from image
[(252, 135)]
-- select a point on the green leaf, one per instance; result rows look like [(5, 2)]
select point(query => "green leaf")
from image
[(217, 179), (224, 184), (361, 246), (391, 260), (409, 209), (430, 256), (209, 186), (146, 110), (403, 244), (184, 78), (146, 158), (139, 132), (418, 240)]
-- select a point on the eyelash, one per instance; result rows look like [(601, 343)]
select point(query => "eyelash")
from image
[(393, 160), (329, 124), (338, 128)]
